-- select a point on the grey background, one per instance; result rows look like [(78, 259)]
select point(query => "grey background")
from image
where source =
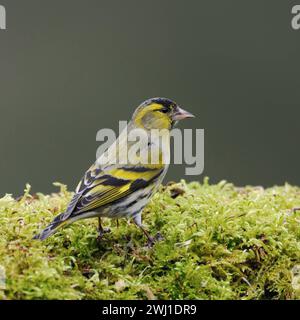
[(70, 68)]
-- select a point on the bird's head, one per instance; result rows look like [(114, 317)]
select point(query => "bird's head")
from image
[(159, 113)]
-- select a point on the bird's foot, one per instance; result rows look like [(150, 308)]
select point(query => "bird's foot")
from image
[(102, 232), (152, 240)]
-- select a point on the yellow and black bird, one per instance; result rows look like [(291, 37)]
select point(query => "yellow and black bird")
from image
[(114, 190)]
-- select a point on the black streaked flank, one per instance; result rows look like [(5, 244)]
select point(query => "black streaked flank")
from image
[(135, 201), (141, 183)]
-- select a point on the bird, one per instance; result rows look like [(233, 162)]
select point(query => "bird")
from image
[(121, 189)]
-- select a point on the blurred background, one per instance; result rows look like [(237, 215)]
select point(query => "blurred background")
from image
[(69, 68)]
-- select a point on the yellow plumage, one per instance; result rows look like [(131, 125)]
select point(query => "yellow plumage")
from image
[(114, 189)]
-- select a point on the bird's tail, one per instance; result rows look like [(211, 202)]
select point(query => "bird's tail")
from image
[(51, 228)]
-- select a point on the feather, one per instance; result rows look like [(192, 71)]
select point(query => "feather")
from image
[(113, 189)]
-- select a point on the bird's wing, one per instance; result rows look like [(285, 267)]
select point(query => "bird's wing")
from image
[(100, 187)]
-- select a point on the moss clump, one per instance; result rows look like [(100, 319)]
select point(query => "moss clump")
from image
[(220, 242)]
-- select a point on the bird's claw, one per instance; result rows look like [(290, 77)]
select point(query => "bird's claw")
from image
[(102, 232), (106, 230), (152, 240)]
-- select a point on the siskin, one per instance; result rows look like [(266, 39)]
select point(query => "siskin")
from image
[(113, 189)]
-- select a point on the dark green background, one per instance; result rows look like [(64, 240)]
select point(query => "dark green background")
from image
[(70, 68)]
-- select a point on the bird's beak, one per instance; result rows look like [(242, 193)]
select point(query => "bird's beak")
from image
[(180, 114)]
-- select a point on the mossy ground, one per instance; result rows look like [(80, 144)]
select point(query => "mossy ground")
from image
[(220, 242)]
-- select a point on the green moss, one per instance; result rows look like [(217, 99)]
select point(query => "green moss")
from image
[(220, 242)]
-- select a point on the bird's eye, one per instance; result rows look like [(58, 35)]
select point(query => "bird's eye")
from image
[(164, 110)]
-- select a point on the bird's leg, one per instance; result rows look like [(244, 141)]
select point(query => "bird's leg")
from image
[(151, 240), (101, 230), (117, 223)]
